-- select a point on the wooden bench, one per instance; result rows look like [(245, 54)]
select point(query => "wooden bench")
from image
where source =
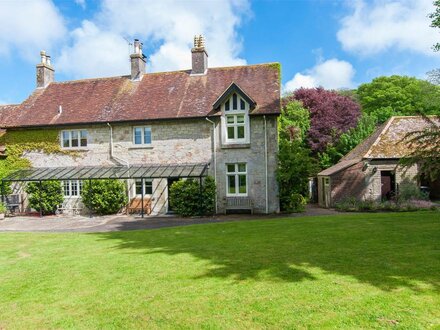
[(135, 205), (239, 203)]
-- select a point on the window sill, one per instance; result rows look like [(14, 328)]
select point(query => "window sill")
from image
[(235, 145), (83, 149), (140, 147)]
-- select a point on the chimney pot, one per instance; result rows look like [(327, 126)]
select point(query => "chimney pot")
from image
[(199, 56)]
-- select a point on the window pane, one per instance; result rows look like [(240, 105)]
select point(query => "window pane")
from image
[(240, 119), (242, 184), (75, 138), (231, 184), (147, 135), (231, 134), (74, 188), (138, 135), (240, 132), (83, 135), (242, 104), (66, 188), (138, 187), (66, 139), (234, 102), (242, 168), (148, 187), (230, 119), (80, 187), (227, 105), (231, 168)]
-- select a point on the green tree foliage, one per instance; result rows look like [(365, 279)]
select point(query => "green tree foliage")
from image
[(435, 23), (294, 121), (295, 167), (188, 198), (104, 196), (399, 96), (46, 196), (425, 146), (348, 141)]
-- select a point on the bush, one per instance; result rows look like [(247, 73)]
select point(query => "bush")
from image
[(187, 198), (297, 203), (46, 196), (410, 191), (349, 204), (2, 208), (104, 196)]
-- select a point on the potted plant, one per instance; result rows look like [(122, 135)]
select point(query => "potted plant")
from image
[(2, 211)]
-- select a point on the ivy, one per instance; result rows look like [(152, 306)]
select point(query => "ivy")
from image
[(18, 142)]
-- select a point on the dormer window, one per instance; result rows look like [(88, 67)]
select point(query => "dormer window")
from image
[(235, 115)]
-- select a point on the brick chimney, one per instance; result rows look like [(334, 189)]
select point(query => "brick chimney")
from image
[(137, 61), (199, 56), (45, 71)]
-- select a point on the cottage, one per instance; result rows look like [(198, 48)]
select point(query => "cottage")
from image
[(150, 129), (371, 171)]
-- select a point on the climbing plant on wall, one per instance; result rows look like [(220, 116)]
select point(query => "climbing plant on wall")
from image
[(18, 142)]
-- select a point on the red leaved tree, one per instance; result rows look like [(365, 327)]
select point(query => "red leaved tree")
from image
[(331, 114)]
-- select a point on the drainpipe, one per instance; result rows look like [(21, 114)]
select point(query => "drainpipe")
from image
[(265, 160), (214, 141)]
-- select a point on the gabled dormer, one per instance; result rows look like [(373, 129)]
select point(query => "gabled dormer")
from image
[(235, 106)]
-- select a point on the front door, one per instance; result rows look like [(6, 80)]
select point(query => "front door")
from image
[(170, 182), (388, 183)]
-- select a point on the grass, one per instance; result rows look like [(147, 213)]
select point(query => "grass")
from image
[(347, 271)]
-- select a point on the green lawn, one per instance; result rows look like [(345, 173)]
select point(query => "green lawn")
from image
[(348, 271)]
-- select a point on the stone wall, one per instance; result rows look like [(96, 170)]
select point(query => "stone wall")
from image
[(180, 142)]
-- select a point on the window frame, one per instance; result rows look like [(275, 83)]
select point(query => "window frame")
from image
[(236, 174), (79, 187), (78, 139), (143, 143), (228, 111), (136, 181)]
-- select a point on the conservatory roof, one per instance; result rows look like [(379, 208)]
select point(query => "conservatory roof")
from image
[(109, 172)]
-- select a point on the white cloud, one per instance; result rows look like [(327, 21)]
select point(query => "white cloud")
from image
[(167, 36), (94, 53), (81, 3), (386, 24), (29, 26), (331, 74)]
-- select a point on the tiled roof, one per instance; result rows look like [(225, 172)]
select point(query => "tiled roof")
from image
[(165, 95), (342, 165)]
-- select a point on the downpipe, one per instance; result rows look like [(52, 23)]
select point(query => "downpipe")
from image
[(214, 141)]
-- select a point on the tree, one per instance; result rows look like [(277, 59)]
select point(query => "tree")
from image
[(435, 23), (399, 96), (295, 167), (425, 146), (294, 121), (331, 114)]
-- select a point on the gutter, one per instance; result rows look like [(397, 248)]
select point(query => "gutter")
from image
[(214, 141)]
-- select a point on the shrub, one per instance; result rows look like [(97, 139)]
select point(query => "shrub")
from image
[(349, 204), (46, 196), (187, 198), (297, 203), (104, 196), (2, 208), (409, 190)]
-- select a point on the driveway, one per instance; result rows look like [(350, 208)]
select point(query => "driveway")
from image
[(124, 222)]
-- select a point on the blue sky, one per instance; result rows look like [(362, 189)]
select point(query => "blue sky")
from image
[(335, 44)]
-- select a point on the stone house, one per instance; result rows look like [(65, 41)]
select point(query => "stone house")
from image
[(156, 128), (371, 171)]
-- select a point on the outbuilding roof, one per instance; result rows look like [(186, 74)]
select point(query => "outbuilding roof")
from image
[(165, 95)]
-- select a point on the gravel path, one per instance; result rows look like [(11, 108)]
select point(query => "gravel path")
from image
[(123, 222)]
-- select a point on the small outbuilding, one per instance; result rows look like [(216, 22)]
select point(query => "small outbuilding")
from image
[(372, 170)]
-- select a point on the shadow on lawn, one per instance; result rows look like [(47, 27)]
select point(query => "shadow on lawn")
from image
[(385, 250)]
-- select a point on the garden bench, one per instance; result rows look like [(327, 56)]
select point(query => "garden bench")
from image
[(135, 205), (239, 203)]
